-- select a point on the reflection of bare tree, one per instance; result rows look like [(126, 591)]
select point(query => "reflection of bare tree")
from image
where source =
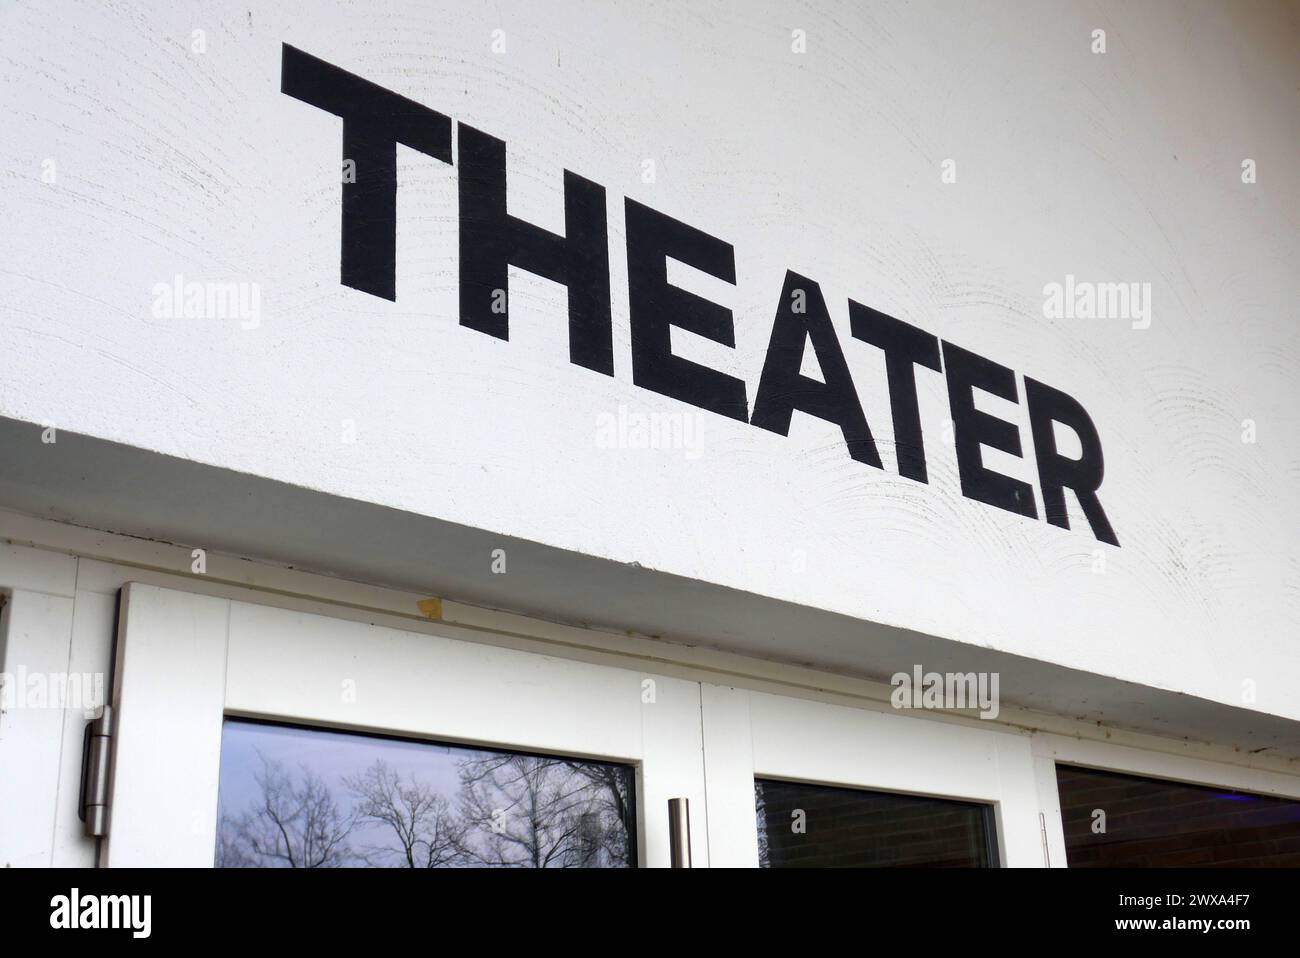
[(295, 825), (521, 811), (231, 851), (428, 833), (612, 802), (530, 811), (760, 807)]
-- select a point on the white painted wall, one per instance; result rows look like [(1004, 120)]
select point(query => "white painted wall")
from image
[(1116, 167)]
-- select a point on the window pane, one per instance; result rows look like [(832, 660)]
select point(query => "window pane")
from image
[(817, 826), (1114, 820), (309, 798)]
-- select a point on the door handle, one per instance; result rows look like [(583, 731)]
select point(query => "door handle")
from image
[(679, 832)]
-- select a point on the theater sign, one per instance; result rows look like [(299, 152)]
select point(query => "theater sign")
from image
[(491, 241), (713, 418)]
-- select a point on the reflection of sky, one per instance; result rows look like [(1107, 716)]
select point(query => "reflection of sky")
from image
[(562, 795), (331, 756)]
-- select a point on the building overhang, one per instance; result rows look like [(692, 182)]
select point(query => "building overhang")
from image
[(107, 486)]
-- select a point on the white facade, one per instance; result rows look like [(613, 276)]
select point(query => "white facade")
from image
[(337, 453)]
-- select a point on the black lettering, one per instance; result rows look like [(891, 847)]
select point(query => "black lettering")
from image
[(375, 120), (656, 307), (491, 240), (972, 428), (905, 347), (802, 317), (1056, 472)]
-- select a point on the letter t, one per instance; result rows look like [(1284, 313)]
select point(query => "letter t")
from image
[(375, 120)]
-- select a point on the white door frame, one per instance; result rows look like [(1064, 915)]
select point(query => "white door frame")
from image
[(185, 661), (750, 734)]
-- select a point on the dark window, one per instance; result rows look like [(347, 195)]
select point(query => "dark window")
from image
[(295, 797), (818, 826), (1114, 820)]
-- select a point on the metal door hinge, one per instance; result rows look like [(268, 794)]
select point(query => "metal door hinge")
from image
[(95, 753)]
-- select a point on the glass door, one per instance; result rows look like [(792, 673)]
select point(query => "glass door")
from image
[(811, 784), (251, 735), (257, 735)]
